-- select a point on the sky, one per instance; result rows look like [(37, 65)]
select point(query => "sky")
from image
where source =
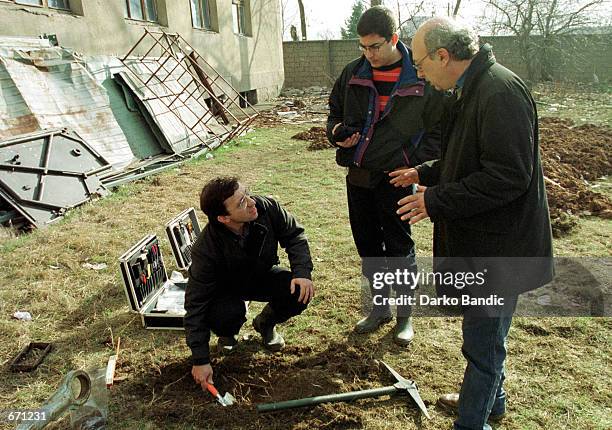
[(324, 18)]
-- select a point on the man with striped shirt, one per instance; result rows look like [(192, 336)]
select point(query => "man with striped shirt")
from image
[(382, 117)]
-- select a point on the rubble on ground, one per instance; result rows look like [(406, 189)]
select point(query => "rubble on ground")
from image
[(296, 106)]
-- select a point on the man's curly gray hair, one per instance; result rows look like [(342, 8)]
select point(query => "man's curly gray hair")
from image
[(459, 39)]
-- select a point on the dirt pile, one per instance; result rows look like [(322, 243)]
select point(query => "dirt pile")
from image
[(572, 158), (317, 136)]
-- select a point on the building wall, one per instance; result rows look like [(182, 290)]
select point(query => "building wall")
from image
[(319, 63), (99, 27)]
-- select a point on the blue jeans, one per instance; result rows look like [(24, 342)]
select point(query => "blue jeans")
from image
[(484, 347)]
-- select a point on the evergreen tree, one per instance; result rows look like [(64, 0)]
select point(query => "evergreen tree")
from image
[(349, 31)]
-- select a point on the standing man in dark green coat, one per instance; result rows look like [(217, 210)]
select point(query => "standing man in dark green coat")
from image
[(486, 197)]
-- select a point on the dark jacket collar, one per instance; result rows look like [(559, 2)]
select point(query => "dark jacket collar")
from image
[(481, 62), (408, 75)]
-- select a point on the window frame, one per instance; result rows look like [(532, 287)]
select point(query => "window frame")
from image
[(144, 11), (241, 22), (201, 15), (44, 3)]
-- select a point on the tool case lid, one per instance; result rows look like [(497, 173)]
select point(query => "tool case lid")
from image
[(142, 257), (182, 231)]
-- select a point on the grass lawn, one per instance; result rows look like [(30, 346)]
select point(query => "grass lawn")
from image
[(559, 369)]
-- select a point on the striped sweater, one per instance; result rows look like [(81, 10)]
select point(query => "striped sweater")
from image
[(384, 79)]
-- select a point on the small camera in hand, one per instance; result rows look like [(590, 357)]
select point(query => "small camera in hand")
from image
[(343, 132)]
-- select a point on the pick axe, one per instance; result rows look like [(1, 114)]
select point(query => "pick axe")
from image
[(402, 386)]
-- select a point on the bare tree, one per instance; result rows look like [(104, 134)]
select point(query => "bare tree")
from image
[(288, 18), (456, 9), (302, 19), (409, 17), (539, 26)]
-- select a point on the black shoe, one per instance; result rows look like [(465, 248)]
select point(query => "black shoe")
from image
[(227, 344), (451, 402), (404, 332), (372, 322), (271, 339)]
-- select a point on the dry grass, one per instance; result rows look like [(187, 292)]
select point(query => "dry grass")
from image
[(558, 370)]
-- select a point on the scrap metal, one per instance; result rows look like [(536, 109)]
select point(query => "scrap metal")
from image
[(171, 78), (74, 390), (50, 88), (30, 357), (44, 174)]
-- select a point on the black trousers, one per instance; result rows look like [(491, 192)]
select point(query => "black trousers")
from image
[(226, 314), (383, 240)]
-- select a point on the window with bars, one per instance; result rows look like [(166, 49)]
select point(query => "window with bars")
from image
[(201, 14), (55, 4), (142, 10), (239, 19)]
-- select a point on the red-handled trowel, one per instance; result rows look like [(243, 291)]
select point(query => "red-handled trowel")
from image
[(225, 400)]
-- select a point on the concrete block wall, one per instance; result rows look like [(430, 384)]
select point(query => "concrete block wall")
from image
[(320, 62)]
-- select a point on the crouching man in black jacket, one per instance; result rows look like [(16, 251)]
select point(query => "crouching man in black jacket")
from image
[(234, 260)]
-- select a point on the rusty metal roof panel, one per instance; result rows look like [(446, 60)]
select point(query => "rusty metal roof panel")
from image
[(50, 88), (180, 122)]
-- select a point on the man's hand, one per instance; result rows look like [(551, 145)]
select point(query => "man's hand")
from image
[(202, 374), (404, 177), (348, 143), (306, 289), (413, 207)]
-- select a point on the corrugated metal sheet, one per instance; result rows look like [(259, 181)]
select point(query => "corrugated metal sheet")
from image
[(50, 88), (23, 42), (178, 89), (143, 136)]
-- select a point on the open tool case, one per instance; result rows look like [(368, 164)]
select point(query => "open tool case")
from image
[(159, 300), (182, 232), (145, 279)]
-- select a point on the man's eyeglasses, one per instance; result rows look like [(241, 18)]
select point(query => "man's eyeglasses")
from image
[(373, 47), (418, 65), (244, 200)]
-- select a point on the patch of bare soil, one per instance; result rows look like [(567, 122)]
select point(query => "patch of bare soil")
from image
[(169, 395), (572, 158), (317, 136)]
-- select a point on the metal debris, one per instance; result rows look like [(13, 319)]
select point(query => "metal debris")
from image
[(44, 174), (174, 83)]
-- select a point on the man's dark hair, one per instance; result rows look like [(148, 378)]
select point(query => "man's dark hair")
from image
[(214, 193), (377, 20)]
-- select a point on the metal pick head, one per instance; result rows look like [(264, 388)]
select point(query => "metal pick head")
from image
[(410, 387)]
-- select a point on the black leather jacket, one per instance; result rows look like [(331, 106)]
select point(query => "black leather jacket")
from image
[(221, 265)]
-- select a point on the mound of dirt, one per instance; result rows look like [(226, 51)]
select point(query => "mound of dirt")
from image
[(573, 156), (316, 135)]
